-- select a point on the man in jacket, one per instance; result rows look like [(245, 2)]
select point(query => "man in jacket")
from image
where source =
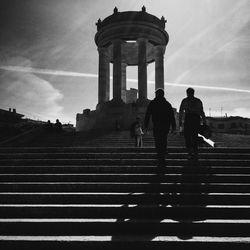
[(162, 115), (192, 107)]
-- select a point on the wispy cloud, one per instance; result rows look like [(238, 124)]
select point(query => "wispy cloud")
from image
[(241, 111), (31, 95), (207, 43), (79, 74), (208, 87), (45, 71), (199, 86)]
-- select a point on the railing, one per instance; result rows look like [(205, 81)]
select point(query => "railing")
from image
[(21, 138)]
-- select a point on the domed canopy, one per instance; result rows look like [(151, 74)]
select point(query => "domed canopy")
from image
[(129, 26)]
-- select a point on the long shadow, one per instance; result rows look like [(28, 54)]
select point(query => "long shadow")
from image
[(192, 195), (143, 210), (183, 194)]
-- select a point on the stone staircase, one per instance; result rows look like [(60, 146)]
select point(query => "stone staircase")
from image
[(123, 139), (109, 139), (113, 198)]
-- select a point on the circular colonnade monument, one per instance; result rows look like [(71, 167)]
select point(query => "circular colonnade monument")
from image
[(130, 38)]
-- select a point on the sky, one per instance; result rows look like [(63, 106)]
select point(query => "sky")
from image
[(49, 60)]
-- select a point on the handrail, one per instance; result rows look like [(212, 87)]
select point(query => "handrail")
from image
[(23, 136)]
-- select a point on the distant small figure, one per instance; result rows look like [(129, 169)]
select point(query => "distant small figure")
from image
[(117, 125), (162, 117), (136, 132), (49, 126), (58, 126), (192, 107)]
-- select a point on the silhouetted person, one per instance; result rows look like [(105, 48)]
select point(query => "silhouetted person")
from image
[(162, 117), (49, 126), (117, 125), (136, 132), (192, 108), (58, 126)]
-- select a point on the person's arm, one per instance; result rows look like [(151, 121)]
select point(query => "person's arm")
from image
[(147, 117), (181, 110), (172, 119), (203, 114)]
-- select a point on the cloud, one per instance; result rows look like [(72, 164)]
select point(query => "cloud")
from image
[(45, 71), (30, 94), (201, 50), (78, 74), (208, 87), (24, 89), (241, 111), (197, 86)]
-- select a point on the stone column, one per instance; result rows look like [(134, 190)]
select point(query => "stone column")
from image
[(117, 70), (104, 76), (124, 80), (142, 68), (159, 67)]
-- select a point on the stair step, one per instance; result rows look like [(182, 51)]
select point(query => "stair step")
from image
[(126, 198), (124, 187), (132, 155), (67, 227), (147, 242), (114, 150), (111, 169), (172, 162), (177, 212), (154, 178)]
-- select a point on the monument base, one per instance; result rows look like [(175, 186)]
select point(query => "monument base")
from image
[(112, 115)]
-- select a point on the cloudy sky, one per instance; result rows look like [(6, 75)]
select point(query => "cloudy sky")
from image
[(49, 61)]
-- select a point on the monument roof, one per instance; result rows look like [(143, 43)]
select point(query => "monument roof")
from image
[(132, 16), (130, 26)]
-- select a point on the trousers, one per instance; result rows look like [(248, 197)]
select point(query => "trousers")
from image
[(191, 129), (160, 137)]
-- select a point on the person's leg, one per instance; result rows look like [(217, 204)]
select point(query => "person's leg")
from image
[(192, 134), (141, 143), (162, 150), (164, 137), (160, 145), (135, 140), (196, 125), (188, 138), (138, 140), (157, 142)]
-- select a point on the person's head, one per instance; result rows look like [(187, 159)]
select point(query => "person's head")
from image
[(57, 120), (190, 92), (159, 92), (48, 121)]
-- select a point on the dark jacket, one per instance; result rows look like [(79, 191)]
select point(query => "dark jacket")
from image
[(162, 114), (191, 106)]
